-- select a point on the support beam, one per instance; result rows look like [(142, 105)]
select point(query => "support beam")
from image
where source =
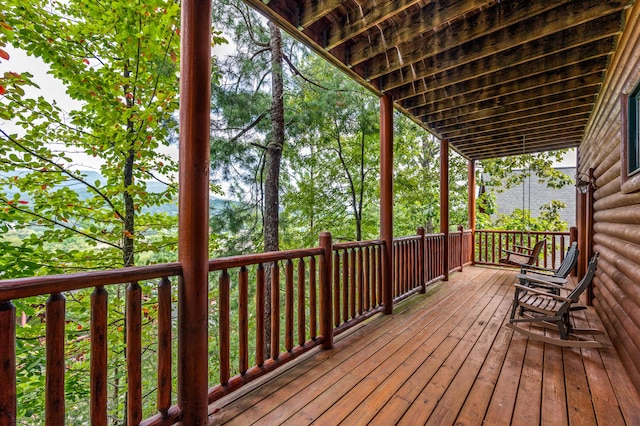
[(471, 183), (386, 198), (589, 231), (444, 203), (193, 226)]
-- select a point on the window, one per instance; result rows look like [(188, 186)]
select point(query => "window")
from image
[(630, 147)]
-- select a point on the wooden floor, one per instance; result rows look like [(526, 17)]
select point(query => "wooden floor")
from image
[(444, 358)]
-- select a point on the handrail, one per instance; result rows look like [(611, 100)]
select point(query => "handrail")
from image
[(341, 283)]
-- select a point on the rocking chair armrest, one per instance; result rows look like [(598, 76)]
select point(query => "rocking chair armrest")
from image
[(514, 252), (538, 269), (542, 293), (556, 282), (529, 249)]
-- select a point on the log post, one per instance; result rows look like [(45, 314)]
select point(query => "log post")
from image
[(326, 328), (193, 226), (54, 393), (386, 199), (589, 231), (444, 204), (471, 182), (421, 274), (8, 396)]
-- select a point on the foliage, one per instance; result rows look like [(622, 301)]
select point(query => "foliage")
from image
[(522, 220), (119, 60)]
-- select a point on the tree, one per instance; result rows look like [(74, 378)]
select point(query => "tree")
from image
[(120, 61)]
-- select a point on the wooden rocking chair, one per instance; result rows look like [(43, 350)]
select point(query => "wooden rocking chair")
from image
[(538, 276), (523, 256), (540, 308)]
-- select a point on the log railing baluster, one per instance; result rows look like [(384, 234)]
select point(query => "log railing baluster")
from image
[(336, 289), (54, 392), (98, 360), (134, 352), (352, 282), (8, 394), (367, 277), (243, 319), (224, 326), (379, 273), (345, 286), (164, 345), (360, 283), (275, 310), (302, 322), (260, 290), (313, 314), (288, 306)]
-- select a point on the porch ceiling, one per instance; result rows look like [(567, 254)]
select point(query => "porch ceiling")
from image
[(486, 75)]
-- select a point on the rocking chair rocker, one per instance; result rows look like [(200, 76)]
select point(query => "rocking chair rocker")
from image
[(540, 308), (523, 256)]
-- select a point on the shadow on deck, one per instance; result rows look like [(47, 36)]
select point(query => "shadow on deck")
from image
[(443, 358)]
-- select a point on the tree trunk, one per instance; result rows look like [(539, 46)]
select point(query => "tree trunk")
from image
[(270, 215)]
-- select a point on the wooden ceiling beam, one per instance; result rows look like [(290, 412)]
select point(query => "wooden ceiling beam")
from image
[(529, 135), (311, 11), (520, 32), (515, 145), (510, 151), (499, 84), (431, 16), (581, 113), (363, 18), (506, 131), (473, 104), (488, 72), (523, 113), (474, 113), (440, 64)]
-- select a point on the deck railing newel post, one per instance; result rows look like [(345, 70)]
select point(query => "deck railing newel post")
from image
[(421, 259), (8, 395), (326, 310)]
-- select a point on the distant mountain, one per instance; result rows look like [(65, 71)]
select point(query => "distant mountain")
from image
[(215, 203)]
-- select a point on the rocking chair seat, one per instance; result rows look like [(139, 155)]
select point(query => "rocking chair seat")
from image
[(537, 276)]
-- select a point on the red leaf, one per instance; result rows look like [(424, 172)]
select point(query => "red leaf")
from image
[(2, 91), (86, 61), (4, 24), (23, 202), (4, 55)]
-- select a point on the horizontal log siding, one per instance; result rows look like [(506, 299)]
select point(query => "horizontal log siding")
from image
[(616, 215)]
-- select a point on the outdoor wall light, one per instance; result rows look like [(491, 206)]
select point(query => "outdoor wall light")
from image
[(584, 182)]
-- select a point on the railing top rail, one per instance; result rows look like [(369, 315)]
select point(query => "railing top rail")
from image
[(254, 259), (357, 244), (409, 238), (434, 235), (495, 231), (18, 288)]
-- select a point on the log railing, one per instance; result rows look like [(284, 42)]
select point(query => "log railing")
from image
[(489, 245), (315, 294), (460, 249)]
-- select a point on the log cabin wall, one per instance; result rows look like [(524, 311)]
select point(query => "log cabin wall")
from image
[(616, 219)]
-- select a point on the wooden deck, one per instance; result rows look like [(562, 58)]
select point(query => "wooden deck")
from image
[(443, 358)]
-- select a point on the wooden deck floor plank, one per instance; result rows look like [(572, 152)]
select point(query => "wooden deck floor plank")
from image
[(426, 401), (554, 402), (344, 351), (504, 394), (445, 351), (374, 397), (579, 405), (378, 367), (626, 395), (447, 409), (310, 388)]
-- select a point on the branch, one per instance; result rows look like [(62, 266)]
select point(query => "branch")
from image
[(64, 171), (251, 125), (62, 225)]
